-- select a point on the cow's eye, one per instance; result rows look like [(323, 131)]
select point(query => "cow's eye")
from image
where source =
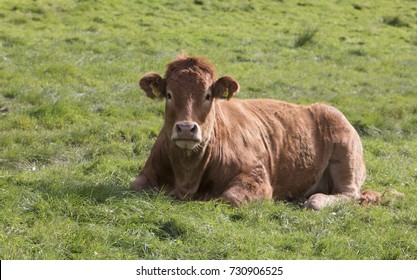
[(169, 96), (208, 96)]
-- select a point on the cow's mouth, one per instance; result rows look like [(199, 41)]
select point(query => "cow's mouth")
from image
[(188, 144)]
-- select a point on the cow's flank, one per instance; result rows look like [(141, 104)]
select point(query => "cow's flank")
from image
[(215, 146)]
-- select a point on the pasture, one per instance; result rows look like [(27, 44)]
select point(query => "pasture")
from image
[(75, 129)]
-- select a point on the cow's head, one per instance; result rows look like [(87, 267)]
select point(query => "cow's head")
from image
[(190, 90)]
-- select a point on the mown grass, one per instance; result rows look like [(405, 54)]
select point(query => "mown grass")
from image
[(75, 129)]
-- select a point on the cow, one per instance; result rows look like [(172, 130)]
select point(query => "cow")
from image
[(215, 146)]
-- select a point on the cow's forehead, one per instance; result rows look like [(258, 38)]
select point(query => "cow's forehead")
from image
[(190, 64), (188, 80)]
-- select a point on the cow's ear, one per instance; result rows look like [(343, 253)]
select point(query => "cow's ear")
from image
[(225, 87), (153, 84)]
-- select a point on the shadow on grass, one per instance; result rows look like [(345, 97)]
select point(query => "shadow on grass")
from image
[(104, 192)]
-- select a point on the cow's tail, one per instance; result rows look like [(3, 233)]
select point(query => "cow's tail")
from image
[(373, 197)]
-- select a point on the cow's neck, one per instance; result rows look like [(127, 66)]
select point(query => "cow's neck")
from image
[(188, 167)]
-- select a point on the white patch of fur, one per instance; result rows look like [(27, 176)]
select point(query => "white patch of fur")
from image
[(184, 144)]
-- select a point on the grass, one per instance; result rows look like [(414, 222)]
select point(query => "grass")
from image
[(75, 129), (305, 37)]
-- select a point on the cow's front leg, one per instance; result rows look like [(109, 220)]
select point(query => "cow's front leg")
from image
[(186, 191), (248, 186), (141, 183), (145, 183)]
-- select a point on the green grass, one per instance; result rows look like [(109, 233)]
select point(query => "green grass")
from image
[(75, 128)]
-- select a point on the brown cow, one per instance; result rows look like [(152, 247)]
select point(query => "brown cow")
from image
[(213, 146)]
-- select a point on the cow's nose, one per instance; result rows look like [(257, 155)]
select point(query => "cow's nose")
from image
[(186, 134), (187, 130)]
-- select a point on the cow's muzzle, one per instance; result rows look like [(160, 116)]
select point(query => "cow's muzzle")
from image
[(186, 134)]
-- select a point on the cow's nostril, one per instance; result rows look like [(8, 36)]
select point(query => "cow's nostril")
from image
[(186, 127)]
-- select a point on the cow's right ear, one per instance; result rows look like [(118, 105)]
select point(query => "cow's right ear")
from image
[(153, 84)]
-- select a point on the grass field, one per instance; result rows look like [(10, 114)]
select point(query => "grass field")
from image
[(75, 129)]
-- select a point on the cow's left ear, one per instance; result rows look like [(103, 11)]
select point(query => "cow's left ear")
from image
[(225, 87)]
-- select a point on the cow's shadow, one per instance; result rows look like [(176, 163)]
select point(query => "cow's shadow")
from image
[(103, 192)]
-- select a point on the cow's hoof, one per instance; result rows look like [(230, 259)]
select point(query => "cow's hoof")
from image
[(232, 198), (311, 204), (317, 201)]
